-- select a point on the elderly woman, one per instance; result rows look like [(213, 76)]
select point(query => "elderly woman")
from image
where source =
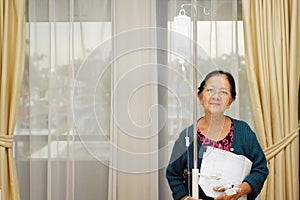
[(216, 93)]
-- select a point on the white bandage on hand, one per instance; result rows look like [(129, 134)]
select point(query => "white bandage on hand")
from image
[(232, 191)]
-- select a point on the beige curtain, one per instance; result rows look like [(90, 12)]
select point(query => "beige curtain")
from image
[(133, 173), (12, 33), (273, 67)]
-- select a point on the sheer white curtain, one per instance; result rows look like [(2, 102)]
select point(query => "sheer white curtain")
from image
[(84, 131), (134, 134), (104, 96), (55, 138)]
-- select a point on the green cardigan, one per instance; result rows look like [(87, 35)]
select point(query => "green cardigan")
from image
[(244, 143)]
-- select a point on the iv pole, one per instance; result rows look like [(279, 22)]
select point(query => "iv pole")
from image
[(195, 170)]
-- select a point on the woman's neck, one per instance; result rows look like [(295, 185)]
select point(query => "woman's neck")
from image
[(214, 127), (214, 119)]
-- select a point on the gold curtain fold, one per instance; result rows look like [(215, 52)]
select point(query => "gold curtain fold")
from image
[(271, 32), (273, 150), (12, 41)]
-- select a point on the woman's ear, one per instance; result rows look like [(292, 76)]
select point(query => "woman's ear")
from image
[(200, 96), (231, 100)]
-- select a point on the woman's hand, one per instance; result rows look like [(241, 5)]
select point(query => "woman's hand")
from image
[(242, 189), (226, 197)]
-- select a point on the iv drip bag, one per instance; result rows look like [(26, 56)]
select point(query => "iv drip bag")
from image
[(182, 36)]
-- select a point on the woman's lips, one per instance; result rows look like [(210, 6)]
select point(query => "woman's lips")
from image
[(214, 103)]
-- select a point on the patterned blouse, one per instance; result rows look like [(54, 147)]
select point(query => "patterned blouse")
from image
[(224, 144)]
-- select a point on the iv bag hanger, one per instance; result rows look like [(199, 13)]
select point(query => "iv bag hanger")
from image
[(195, 170), (204, 9)]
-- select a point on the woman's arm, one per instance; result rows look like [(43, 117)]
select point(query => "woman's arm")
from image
[(248, 145), (175, 170)]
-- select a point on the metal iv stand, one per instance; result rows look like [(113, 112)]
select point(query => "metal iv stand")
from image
[(195, 170)]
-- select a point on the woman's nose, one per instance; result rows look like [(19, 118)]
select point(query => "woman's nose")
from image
[(216, 95)]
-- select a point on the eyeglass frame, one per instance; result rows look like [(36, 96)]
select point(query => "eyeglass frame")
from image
[(222, 92)]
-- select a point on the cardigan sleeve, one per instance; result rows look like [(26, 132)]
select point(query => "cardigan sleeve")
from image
[(259, 170)]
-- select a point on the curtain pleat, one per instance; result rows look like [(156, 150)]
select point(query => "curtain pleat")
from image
[(12, 41), (133, 172), (271, 38), (280, 145)]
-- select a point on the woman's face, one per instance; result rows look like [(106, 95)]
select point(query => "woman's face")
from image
[(216, 96)]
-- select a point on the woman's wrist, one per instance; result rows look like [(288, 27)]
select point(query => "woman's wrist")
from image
[(244, 188)]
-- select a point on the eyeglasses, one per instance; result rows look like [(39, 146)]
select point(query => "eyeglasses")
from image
[(221, 92)]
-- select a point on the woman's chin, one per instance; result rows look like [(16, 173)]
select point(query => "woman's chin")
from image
[(216, 110)]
